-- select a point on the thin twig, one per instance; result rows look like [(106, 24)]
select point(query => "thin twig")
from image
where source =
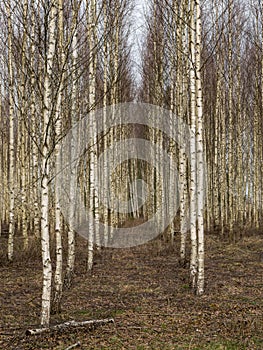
[(73, 346)]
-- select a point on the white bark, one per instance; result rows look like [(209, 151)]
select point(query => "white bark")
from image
[(93, 203), (34, 139), (23, 136), (200, 155), (230, 122), (71, 232), (58, 285), (11, 184), (69, 324), (45, 237), (193, 184), (105, 95), (182, 87)]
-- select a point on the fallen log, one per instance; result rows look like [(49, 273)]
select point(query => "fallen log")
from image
[(69, 324)]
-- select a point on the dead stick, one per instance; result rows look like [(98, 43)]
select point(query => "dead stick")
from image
[(69, 324), (73, 346)]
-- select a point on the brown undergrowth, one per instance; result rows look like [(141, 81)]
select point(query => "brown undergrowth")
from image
[(148, 295)]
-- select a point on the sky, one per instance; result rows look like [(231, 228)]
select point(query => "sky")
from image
[(137, 34)]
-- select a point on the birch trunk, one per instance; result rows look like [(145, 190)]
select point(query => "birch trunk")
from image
[(71, 233), (93, 202), (47, 108), (181, 87), (230, 125), (200, 155), (58, 280), (193, 183), (215, 166), (23, 138), (105, 96), (11, 184)]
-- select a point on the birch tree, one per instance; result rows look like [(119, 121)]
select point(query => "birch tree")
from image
[(11, 135), (193, 182), (200, 155), (47, 110), (93, 161), (71, 232), (58, 276)]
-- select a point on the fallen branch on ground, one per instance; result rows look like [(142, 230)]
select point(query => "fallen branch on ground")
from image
[(69, 324), (73, 346)]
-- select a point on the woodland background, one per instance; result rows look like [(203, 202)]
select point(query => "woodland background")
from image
[(203, 61)]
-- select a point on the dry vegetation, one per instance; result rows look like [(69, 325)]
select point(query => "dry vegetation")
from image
[(148, 295)]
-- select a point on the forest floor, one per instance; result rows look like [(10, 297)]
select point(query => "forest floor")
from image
[(147, 294)]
